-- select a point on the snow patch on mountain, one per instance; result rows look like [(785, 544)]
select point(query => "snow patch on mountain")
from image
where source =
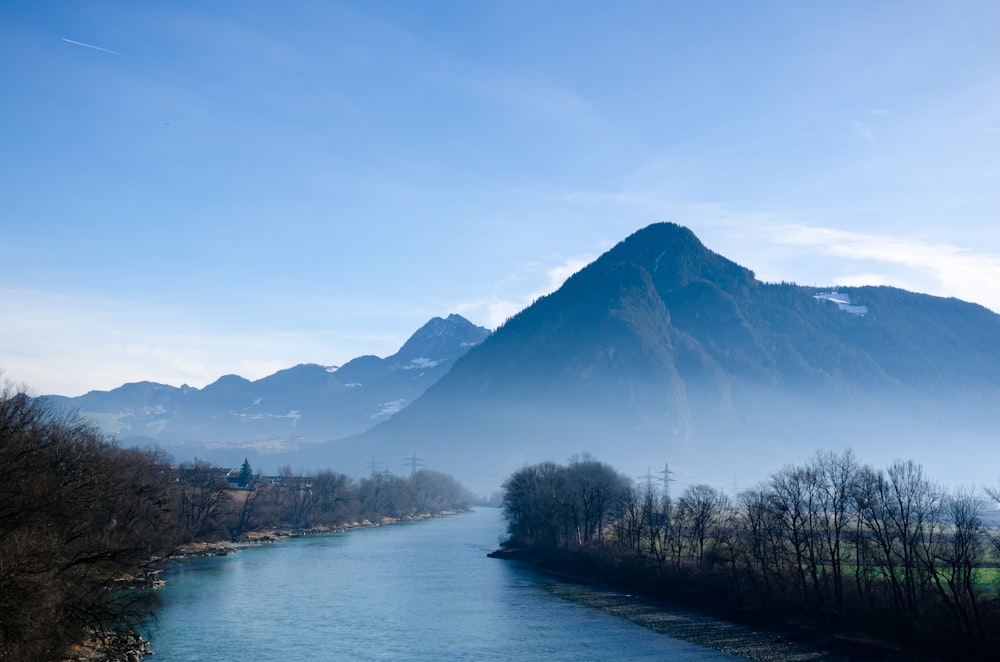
[(843, 301), (421, 363), (388, 409)]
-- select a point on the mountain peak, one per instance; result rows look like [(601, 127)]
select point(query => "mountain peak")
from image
[(439, 338), (675, 258)]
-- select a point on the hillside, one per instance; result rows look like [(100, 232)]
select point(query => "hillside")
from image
[(664, 351)]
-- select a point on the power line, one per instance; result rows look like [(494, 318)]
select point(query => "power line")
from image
[(373, 466), (648, 477), (413, 462)]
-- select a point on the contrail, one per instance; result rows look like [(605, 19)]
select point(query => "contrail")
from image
[(96, 48)]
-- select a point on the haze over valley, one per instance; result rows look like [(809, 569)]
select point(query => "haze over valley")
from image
[(660, 352)]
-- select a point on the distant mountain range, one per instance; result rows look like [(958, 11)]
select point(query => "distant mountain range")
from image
[(234, 417), (661, 351)]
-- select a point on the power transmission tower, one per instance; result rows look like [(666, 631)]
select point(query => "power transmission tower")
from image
[(373, 466), (648, 477), (666, 479), (413, 462)]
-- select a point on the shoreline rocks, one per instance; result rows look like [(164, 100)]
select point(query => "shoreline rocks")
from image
[(114, 646)]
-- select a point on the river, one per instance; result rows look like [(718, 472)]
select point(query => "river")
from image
[(419, 591)]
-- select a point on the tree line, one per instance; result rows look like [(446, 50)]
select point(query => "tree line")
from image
[(882, 550), (209, 507), (81, 517)]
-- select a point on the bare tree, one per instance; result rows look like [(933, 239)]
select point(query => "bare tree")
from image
[(834, 482), (297, 497), (593, 487), (249, 507), (76, 515), (532, 505), (200, 498), (952, 560), (767, 555), (627, 521), (900, 510), (698, 508)]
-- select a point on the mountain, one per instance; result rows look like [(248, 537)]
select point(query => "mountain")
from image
[(234, 417), (662, 351)]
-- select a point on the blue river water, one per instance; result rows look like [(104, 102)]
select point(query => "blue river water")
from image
[(420, 591)]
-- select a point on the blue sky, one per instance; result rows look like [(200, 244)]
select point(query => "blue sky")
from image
[(192, 189)]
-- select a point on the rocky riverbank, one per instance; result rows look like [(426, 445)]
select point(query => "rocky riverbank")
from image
[(119, 646), (269, 536)]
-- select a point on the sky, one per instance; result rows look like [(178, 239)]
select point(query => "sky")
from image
[(194, 189)]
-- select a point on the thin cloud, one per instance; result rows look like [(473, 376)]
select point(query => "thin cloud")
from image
[(864, 131), (96, 48), (541, 280), (502, 310), (958, 271), (860, 280)]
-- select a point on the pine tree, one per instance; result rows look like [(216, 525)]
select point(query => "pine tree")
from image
[(246, 474)]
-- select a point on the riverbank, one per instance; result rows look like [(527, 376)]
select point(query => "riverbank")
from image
[(122, 646), (271, 536), (750, 636)]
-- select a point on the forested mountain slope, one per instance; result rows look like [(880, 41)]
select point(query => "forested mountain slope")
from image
[(664, 351)]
